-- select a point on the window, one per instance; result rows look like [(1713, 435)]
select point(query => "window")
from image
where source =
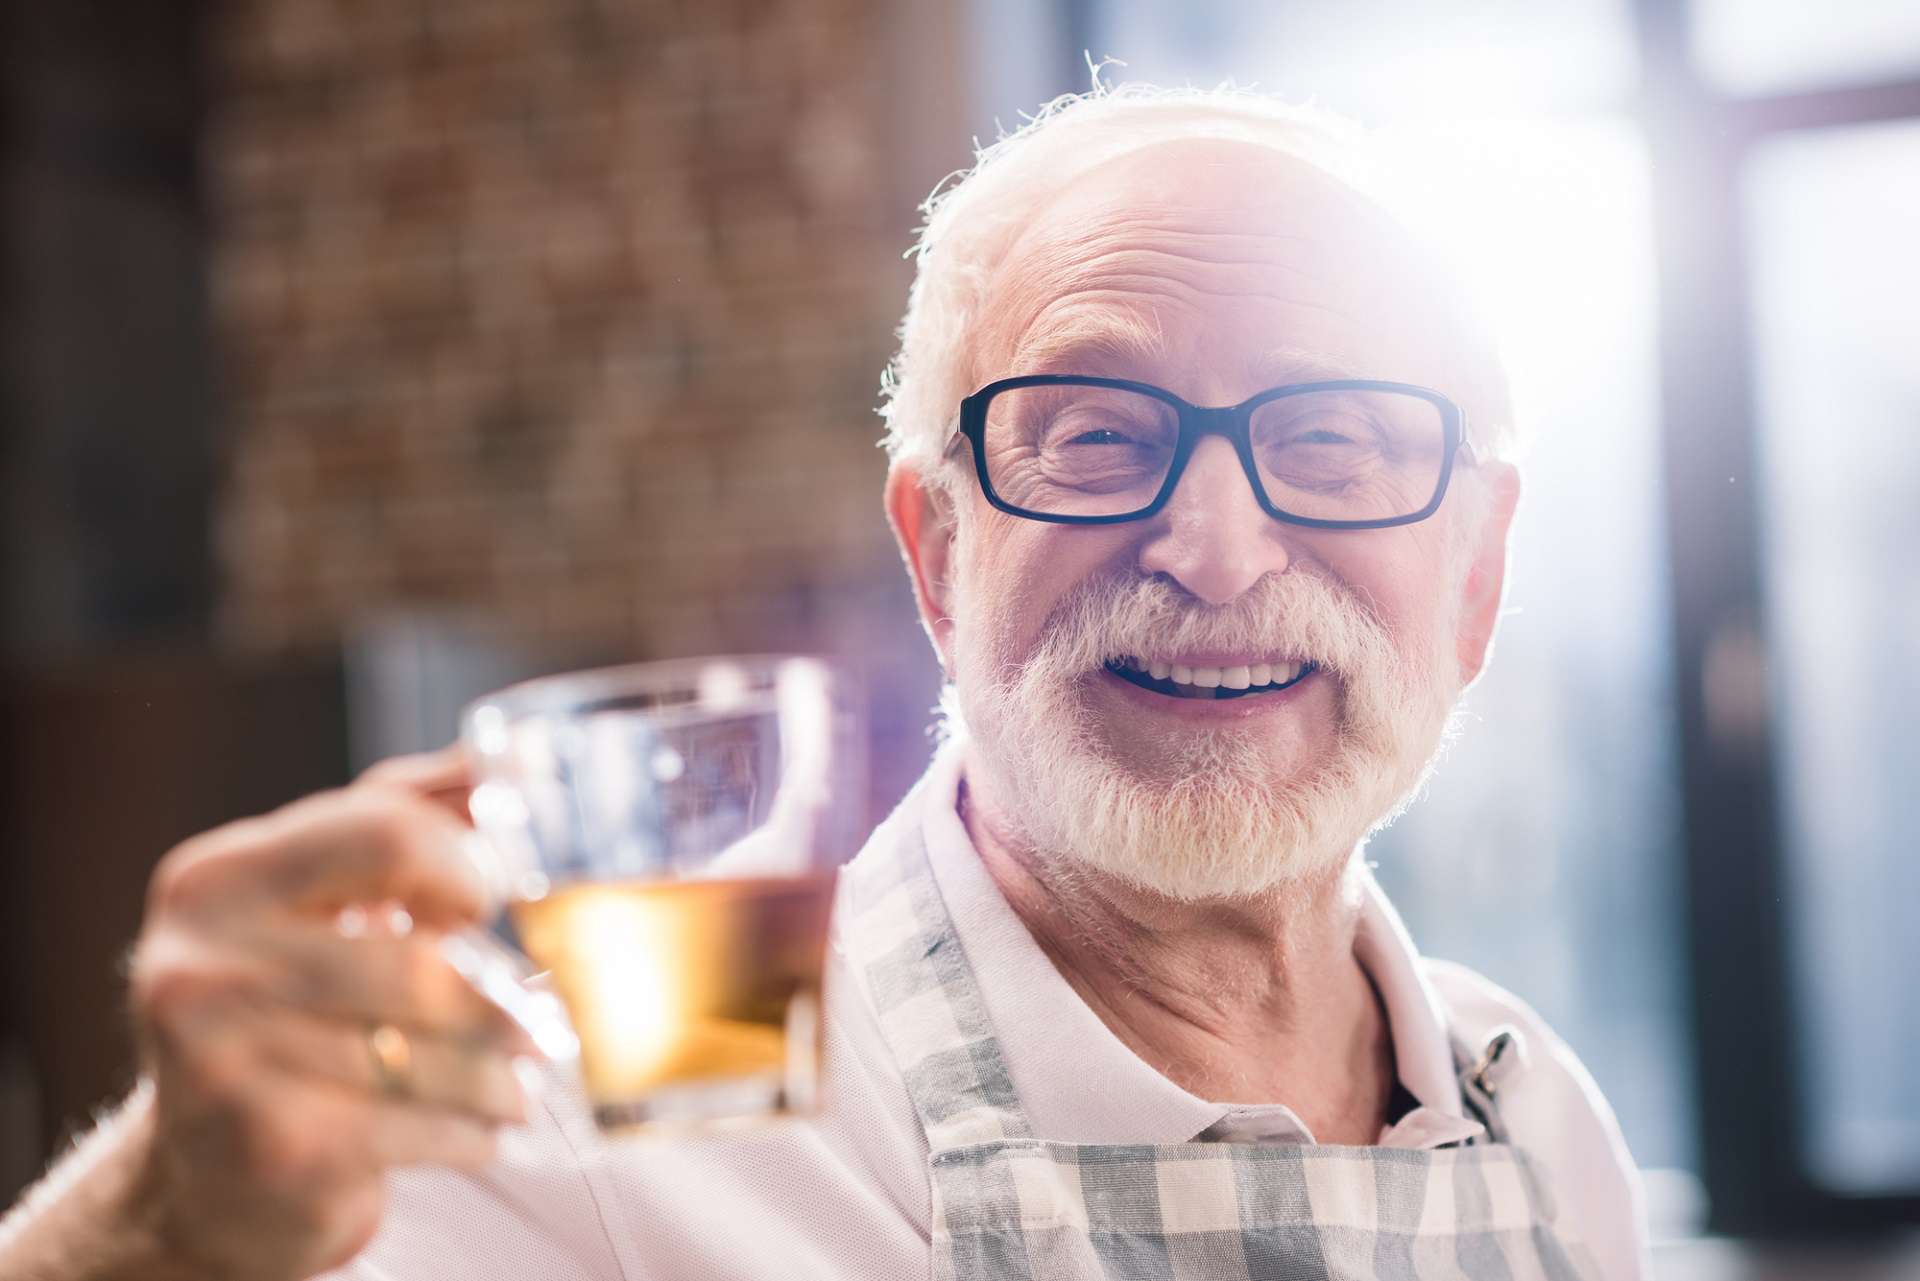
[(1771, 46), (1832, 218)]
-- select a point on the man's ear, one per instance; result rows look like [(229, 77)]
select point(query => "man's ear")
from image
[(1487, 568), (924, 524)]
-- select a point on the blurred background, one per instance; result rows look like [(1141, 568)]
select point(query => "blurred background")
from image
[(356, 358)]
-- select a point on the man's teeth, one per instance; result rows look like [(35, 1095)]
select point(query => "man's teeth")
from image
[(1251, 676)]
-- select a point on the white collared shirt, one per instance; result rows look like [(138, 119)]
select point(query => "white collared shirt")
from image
[(846, 1194)]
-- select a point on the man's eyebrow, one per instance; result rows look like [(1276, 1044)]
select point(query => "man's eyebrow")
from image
[(1134, 349), (1114, 345)]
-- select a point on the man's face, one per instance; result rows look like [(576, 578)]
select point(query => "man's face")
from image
[(1246, 270)]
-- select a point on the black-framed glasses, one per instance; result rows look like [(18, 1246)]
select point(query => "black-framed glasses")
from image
[(1350, 453)]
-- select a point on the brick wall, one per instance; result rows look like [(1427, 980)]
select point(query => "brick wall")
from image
[(569, 315)]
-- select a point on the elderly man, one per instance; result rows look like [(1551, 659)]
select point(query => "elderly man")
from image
[(1196, 469)]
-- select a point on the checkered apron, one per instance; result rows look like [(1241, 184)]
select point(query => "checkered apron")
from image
[(1010, 1206)]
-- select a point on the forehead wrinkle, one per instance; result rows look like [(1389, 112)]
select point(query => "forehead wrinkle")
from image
[(1120, 321), (1119, 342), (1238, 202), (1134, 247), (1230, 244), (1086, 331), (1076, 276), (1260, 228), (1126, 244)]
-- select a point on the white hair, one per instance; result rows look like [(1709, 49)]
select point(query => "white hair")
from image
[(973, 216)]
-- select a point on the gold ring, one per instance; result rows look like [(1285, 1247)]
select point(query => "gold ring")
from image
[(392, 1056)]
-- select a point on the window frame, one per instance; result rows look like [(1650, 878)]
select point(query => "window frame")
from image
[(1748, 1029)]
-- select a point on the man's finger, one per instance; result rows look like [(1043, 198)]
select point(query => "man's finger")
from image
[(303, 1137), (325, 852), (442, 777), (366, 981), (394, 1064), (422, 771)]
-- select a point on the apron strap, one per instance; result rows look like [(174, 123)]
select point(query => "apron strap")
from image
[(1482, 1072), (905, 947)]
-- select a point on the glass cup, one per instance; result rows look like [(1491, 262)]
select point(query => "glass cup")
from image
[(666, 836)]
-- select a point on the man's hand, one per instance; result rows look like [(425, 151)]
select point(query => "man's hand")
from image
[(300, 1032)]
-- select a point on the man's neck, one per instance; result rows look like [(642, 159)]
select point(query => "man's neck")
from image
[(1242, 1001)]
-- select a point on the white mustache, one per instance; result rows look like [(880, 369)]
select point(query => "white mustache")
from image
[(1289, 615)]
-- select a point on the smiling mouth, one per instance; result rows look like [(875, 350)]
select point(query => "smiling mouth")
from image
[(1177, 681)]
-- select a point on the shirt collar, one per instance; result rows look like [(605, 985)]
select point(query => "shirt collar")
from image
[(1111, 1095)]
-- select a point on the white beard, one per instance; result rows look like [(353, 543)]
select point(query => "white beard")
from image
[(1206, 819)]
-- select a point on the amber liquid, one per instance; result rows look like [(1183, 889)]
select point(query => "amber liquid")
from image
[(695, 1001)]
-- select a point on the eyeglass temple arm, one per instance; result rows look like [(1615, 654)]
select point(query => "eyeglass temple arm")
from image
[(953, 438)]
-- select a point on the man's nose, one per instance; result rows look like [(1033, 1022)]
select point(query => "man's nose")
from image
[(1212, 537)]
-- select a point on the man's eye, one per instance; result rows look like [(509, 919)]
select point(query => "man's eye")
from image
[(1100, 436), (1321, 436)]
